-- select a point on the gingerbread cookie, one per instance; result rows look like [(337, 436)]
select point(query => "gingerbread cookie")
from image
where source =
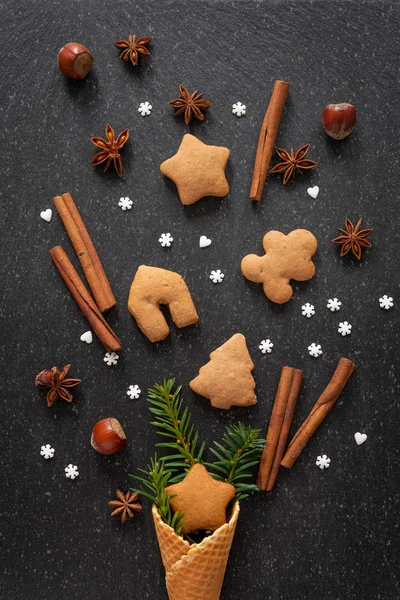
[(153, 286), (286, 257), (227, 380), (202, 498), (197, 170)]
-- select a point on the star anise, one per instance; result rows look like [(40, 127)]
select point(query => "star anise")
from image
[(126, 505), (132, 48), (110, 148), (353, 238), (190, 104), (292, 162), (57, 383)]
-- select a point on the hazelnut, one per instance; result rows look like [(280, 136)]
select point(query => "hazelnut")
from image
[(75, 61), (339, 120), (108, 436)]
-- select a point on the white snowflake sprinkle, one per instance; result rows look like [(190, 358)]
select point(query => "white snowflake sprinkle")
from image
[(47, 451), (334, 304), (134, 392), (323, 461), (344, 328), (166, 239), (71, 471), (386, 302), (125, 203), (307, 310), (239, 109), (314, 350), (145, 109), (111, 358), (266, 346), (217, 276)]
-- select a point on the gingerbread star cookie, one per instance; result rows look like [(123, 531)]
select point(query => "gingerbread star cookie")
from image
[(197, 170), (227, 380), (203, 500)]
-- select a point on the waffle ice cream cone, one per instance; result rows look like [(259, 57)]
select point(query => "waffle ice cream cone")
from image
[(195, 571)]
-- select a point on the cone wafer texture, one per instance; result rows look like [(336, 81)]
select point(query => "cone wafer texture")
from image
[(195, 571)]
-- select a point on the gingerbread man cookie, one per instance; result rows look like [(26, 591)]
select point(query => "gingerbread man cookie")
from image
[(197, 170), (286, 257), (153, 286)]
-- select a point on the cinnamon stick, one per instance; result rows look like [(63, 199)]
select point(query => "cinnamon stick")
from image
[(266, 140), (322, 407), (287, 421), (86, 252), (275, 426), (84, 300)]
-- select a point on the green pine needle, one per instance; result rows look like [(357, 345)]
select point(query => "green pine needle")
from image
[(175, 424), (239, 451), (157, 479)]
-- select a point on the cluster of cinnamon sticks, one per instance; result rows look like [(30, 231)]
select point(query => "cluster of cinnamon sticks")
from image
[(282, 415), (279, 425), (103, 296)]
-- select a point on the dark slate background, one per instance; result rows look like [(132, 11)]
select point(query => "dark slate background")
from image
[(321, 534)]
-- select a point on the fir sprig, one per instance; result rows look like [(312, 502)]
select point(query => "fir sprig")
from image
[(157, 479), (240, 450), (173, 423)]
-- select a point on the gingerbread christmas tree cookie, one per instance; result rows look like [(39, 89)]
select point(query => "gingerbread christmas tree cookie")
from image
[(227, 380), (197, 170), (202, 499)]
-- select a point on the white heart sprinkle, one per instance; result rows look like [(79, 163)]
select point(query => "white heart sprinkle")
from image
[(46, 215), (360, 438), (313, 192), (204, 241), (87, 337)]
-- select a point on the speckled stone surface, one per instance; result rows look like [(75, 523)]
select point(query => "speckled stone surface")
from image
[(329, 534)]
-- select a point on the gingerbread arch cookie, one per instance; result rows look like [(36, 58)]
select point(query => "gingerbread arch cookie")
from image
[(286, 257), (152, 287), (227, 380)]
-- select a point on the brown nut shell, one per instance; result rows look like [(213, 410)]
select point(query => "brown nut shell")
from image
[(339, 120), (108, 436), (74, 60)]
